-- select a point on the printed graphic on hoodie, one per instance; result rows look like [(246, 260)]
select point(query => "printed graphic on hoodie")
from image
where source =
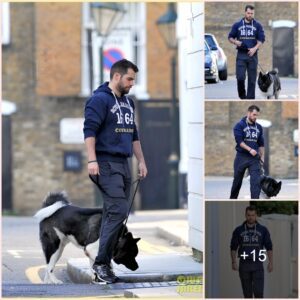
[(123, 118), (249, 241), (247, 33), (250, 134)]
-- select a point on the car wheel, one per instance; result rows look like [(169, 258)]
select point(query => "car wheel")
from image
[(217, 79), (223, 75)]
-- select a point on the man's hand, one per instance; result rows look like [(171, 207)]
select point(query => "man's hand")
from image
[(234, 266), (252, 51), (270, 267), (93, 168), (253, 152), (142, 170), (238, 43)]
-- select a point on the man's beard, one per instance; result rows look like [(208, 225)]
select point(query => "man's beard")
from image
[(251, 120), (249, 19), (123, 91), (251, 223)]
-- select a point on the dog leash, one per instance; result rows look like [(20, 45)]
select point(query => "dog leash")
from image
[(262, 164), (255, 57), (135, 191)]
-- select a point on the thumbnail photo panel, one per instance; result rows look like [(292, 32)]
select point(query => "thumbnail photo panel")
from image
[(251, 249), (251, 150)]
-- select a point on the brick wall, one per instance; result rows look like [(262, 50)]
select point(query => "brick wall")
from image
[(18, 63), (220, 16), (37, 162), (58, 44), (158, 55), (220, 118)]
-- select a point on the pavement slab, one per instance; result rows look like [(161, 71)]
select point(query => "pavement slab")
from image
[(163, 267)]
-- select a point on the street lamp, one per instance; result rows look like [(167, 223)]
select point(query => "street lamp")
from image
[(167, 27), (106, 16)]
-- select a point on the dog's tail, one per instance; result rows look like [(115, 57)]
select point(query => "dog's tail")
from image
[(275, 71), (52, 203)]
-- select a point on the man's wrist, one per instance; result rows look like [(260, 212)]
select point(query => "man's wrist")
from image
[(249, 150), (91, 161)]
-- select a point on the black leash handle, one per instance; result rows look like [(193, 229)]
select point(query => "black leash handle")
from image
[(95, 181)]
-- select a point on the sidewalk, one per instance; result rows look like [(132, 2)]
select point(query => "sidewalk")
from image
[(173, 274)]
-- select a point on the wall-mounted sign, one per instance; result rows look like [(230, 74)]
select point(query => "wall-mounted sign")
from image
[(72, 161), (296, 151), (110, 56), (71, 131)]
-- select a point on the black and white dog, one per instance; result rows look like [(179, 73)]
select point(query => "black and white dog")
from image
[(269, 186), (269, 84), (61, 223)]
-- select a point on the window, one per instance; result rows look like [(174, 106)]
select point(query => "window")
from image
[(127, 40)]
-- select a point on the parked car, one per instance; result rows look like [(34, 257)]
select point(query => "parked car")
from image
[(221, 57), (211, 65)]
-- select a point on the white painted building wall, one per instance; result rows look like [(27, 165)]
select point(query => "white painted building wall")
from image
[(190, 28)]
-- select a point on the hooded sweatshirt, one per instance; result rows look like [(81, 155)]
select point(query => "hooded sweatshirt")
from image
[(110, 119), (247, 33), (250, 134), (245, 239)]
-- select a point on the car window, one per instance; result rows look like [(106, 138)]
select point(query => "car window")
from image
[(206, 47), (210, 41)]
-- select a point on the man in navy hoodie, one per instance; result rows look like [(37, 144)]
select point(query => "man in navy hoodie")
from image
[(249, 151), (111, 137), (248, 35), (253, 243)]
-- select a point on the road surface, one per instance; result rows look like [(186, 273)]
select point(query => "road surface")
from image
[(23, 263), (219, 188), (228, 90)]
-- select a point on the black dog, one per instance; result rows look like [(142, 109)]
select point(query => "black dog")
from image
[(269, 84), (61, 223), (270, 186)]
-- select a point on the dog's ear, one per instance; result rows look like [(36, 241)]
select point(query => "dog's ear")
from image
[(129, 234), (137, 239), (279, 184)]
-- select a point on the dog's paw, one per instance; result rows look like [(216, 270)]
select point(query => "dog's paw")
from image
[(51, 279), (57, 281)]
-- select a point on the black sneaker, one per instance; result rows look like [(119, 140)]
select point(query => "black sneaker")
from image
[(112, 274), (103, 274)]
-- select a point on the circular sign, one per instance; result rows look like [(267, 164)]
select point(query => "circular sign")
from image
[(110, 56)]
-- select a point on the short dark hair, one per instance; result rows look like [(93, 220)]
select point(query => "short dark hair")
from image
[(253, 107), (122, 67), (251, 208), (249, 7)]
